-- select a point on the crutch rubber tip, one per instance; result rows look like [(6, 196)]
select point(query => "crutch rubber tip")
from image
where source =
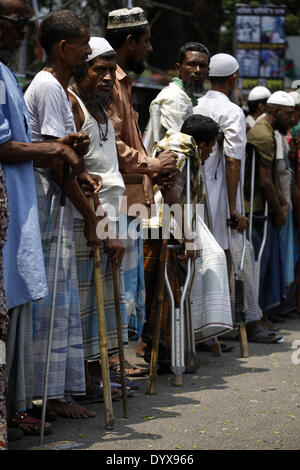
[(151, 391), (177, 381)]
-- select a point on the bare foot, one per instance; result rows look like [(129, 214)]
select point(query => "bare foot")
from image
[(141, 347), (130, 369), (70, 410)]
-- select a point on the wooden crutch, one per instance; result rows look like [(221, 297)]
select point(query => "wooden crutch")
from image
[(109, 417), (120, 339), (152, 383)]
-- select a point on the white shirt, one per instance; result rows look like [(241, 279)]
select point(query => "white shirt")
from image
[(175, 107), (49, 107), (231, 120)]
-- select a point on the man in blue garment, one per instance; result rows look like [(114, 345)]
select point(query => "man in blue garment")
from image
[(23, 265)]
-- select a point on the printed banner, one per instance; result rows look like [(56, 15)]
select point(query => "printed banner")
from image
[(260, 45)]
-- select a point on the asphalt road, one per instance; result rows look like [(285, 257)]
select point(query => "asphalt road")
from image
[(230, 403)]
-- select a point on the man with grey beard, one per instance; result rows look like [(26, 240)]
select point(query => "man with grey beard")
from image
[(91, 95)]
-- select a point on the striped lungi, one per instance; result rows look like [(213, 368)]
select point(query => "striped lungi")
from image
[(66, 372), (87, 294)]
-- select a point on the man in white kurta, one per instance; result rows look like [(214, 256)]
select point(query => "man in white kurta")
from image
[(174, 103), (217, 105)]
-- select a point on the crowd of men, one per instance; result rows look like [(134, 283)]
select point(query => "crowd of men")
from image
[(78, 111)]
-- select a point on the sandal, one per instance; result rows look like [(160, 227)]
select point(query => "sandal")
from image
[(115, 367), (259, 334), (21, 418), (96, 395)]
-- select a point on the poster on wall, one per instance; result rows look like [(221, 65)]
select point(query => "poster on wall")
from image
[(259, 45)]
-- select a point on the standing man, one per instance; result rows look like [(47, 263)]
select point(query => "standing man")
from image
[(176, 100), (128, 32), (217, 104), (23, 264), (279, 114), (91, 96), (65, 38), (168, 111), (257, 100), (223, 74)]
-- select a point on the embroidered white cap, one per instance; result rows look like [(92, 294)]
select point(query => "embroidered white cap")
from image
[(99, 46), (223, 65), (282, 98), (296, 97), (259, 93)]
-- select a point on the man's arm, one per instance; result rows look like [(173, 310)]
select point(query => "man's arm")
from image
[(266, 184), (41, 153)]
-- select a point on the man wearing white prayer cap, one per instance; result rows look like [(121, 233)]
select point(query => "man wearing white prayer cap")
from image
[(223, 74), (217, 105), (261, 138), (257, 100), (91, 96)]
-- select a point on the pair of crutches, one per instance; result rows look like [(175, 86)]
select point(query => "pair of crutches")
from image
[(183, 351), (263, 218), (181, 311), (238, 268), (109, 419)]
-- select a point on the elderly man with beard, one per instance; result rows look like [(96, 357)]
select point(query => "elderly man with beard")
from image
[(91, 96), (65, 38), (128, 32), (24, 277), (279, 114)]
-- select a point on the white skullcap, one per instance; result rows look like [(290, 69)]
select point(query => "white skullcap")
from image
[(222, 65), (296, 97), (282, 98), (99, 46), (259, 93)]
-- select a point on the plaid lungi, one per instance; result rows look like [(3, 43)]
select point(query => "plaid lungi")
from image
[(87, 294), (66, 372), (176, 275)]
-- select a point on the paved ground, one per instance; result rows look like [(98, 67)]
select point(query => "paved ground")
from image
[(230, 403)]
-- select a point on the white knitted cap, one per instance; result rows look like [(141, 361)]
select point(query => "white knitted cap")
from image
[(296, 97), (282, 98), (223, 65), (99, 46), (259, 93)]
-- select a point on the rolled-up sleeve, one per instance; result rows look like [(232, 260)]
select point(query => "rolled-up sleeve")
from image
[(131, 159)]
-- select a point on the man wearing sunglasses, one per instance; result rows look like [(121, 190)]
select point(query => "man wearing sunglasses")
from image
[(23, 271)]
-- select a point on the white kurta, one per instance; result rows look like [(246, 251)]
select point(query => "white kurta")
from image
[(175, 107), (231, 120)]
